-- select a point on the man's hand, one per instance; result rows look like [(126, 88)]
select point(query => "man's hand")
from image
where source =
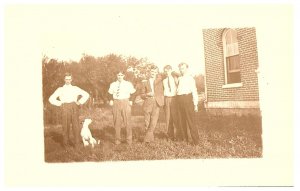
[(111, 102), (130, 103), (150, 94), (77, 102), (196, 108)]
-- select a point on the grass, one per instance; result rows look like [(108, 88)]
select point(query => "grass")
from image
[(221, 137)]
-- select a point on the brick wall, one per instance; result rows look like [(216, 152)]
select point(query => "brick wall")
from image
[(214, 66)]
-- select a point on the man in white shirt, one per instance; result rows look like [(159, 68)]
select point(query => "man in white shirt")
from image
[(171, 108), (188, 103), (66, 97), (121, 91)]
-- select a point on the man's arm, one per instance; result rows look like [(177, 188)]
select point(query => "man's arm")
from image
[(110, 94), (53, 98), (85, 96), (133, 92), (143, 90), (194, 93)]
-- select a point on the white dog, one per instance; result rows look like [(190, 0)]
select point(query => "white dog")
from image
[(86, 134)]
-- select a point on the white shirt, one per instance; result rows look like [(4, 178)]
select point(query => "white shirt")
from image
[(167, 91), (151, 80), (68, 94), (121, 90), (187, 85)]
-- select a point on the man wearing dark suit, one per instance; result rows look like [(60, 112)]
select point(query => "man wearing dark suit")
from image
[(171, 110), (153, 94)]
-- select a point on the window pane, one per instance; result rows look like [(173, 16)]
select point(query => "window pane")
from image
[(234, 77), (233, 69), (231, 54), (233, 63), (231, 36), (232, 49)]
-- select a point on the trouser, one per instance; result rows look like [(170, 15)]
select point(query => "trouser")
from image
[(151, 113), (70, 115), (186, 113), (122, 113), (171, 113)]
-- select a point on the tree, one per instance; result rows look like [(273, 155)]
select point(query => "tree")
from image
[(93, 74)]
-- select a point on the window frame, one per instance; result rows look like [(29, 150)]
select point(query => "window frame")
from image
[(228, 85)]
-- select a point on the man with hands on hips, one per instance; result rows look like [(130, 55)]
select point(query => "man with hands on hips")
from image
[(66, 97)]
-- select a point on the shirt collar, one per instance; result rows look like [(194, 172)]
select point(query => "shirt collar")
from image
[(67, 86)]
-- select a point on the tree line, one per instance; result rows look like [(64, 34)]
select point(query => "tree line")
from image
[(94, 74)]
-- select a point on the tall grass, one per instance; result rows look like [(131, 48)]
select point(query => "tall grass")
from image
[(221, 137)]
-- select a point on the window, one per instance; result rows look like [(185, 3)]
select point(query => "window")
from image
[(231, 57)]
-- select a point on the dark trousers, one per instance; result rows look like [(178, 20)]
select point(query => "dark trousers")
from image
[(171, 113), (186, 114), (70, 115), (122, 114)]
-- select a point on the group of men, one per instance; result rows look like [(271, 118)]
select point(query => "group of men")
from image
[(177, 94)]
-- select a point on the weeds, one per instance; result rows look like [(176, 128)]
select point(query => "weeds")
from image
[(221, 137)]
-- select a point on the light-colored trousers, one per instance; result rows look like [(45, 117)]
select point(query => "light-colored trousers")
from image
[(151, 113), (122, 114)]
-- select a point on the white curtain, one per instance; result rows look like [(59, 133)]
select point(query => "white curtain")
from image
[(232, 49)]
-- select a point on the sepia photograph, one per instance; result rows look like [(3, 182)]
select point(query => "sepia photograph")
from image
[(117, 107), (171, 90)]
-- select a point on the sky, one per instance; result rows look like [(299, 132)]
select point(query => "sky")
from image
[(163, 35)]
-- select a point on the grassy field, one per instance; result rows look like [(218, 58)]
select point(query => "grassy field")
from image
[(221, 137)]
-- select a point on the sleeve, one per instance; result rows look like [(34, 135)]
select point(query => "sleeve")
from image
[(131, 88), (133, 92), (84, 94), (53, 98), (111, 89), (176, 81), (194, 91), (143, 90), (164, 82)]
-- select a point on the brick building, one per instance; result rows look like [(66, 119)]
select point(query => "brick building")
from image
[(231, 71)]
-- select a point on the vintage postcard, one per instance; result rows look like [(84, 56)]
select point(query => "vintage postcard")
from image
[(146, 95)]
